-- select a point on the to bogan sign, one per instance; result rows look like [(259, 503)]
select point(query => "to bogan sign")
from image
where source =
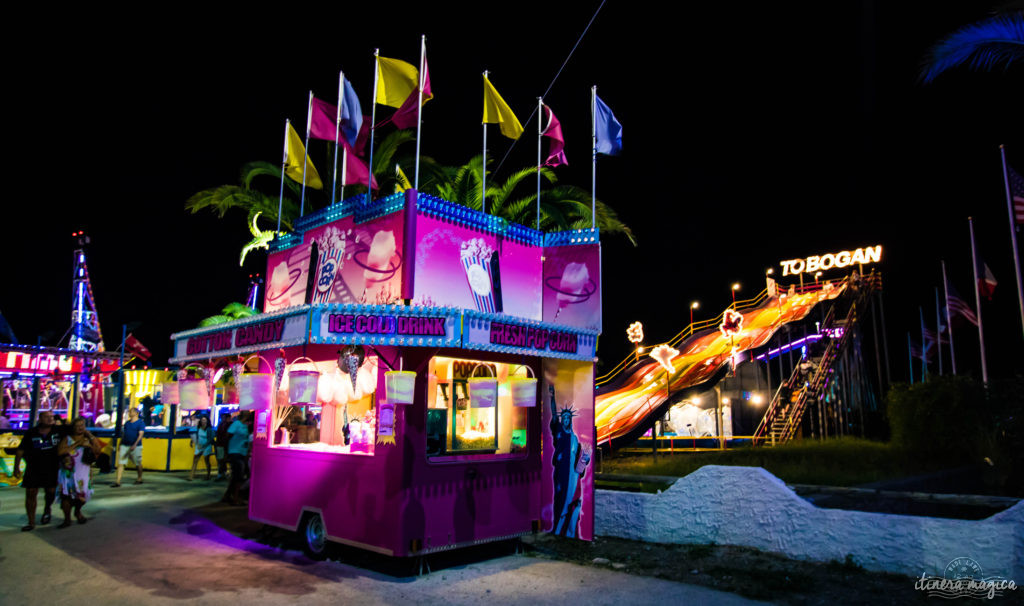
[(860, 256)]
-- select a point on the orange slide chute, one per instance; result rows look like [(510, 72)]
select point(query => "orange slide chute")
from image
[(628, 396)]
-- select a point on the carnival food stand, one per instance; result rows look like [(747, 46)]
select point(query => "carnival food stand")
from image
[(422, 378)]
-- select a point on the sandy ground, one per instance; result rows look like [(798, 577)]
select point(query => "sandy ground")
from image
[(169, 541)]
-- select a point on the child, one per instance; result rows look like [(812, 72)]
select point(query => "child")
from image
[(68, 491)]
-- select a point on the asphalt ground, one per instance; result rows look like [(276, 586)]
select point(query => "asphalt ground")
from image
[(169, 541)]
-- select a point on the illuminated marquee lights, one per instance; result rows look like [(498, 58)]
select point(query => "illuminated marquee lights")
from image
[(664, 355), (870, 254), (635, 332)]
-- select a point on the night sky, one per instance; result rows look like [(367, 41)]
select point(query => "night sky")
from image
[(752, 134)]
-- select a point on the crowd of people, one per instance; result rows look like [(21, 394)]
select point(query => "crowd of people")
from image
[(59, 460)]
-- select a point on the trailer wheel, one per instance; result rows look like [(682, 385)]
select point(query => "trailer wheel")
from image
[(314, 537)]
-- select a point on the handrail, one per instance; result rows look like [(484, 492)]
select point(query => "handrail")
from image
[(682, 335), (692, 328), (870, 282)]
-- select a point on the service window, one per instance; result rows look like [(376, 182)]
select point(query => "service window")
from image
[(343, 420), (463, 419)]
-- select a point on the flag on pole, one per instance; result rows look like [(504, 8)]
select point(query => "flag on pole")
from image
[(396, 80), (986, 281), (296, 151), (406, 115), (1017, 194), (136, 348), (324, 115), (351, 113), (958, 306), (607, 129), (496, 111), (556, 154)]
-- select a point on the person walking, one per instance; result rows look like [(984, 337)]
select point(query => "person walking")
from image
[(202, 439), (73, 480), (221, 443), (38, 448), (131, 446), (238, 452)]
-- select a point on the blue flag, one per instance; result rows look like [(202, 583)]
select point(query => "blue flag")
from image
[(351, 114), (607, 128)]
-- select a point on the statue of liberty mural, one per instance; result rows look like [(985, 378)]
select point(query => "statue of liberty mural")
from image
[(569, 460)]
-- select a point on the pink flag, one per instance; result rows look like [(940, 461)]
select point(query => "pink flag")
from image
[(356, 171), (556, 154), (405, 116), (363, 137), (322, 126)]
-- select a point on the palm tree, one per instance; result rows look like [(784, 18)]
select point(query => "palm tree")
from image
[(998, 40), (562, 207), (231, 311)]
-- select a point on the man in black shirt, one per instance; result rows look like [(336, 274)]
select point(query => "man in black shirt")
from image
[(39, 449)]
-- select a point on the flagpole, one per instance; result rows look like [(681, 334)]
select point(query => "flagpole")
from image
[(910, 356), (483, 170), (1013, 235), (949, 321), (305, 154), (344, 170), (337, 131), (419, 110), (924, 348), (593, 156), (938, 328), (373, 124), (284, 162), (540, 135), (977, 300)]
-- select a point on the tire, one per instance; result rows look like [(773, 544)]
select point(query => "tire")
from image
[(313, 535)]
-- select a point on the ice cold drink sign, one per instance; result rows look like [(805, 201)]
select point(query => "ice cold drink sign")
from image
[(860, 256)]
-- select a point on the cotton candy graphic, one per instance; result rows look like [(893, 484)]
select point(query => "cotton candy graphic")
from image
[(378, 260), (573, 285), (475, 256)]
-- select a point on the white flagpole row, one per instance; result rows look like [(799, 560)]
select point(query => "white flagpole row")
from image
[(938, 329), (419, 110), (344, 171), (977, 300), (540, 135), (924, 347), (483, 169), (305, 154), (337, 132), (284, 163), (949, 318), (373, 122), (1013, 235)]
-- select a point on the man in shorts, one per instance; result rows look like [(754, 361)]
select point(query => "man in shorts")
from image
[(39, 449), (131, 446)]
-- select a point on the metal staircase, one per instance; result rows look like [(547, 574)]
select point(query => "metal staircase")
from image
[(785, 412)]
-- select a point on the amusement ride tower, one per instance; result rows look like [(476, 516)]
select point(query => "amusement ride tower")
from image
[(85, 323)]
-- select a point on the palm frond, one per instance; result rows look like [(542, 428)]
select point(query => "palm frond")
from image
[(981, 46), (238, 310), (213, 320)]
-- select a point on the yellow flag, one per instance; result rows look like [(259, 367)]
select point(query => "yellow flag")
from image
[(293, 167), (401, 181), (497, 111), (396, 80)]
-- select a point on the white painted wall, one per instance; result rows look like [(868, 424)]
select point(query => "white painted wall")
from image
[(750, 507)]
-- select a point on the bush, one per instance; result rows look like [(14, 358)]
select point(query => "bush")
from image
[(958, 419)]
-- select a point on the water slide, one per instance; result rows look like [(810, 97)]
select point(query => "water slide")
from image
[(634, 394)]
